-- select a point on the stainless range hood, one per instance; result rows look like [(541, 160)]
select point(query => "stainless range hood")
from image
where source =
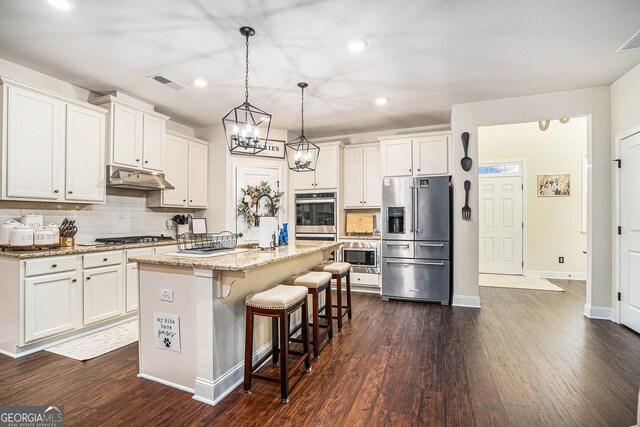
[(134, 179)]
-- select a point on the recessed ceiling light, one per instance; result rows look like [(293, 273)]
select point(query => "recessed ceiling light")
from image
[(62, 4), (357, 45), (381, 101), (200, 82)]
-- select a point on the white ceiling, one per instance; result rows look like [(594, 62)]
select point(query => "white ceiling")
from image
[(424, 55)]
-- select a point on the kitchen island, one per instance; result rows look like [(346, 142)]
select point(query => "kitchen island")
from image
[(192, 313)]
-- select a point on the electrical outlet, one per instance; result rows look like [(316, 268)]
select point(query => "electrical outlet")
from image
[(166, 295), (561, 260)]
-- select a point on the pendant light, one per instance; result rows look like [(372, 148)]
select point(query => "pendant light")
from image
[(246, 124), (302, 154)]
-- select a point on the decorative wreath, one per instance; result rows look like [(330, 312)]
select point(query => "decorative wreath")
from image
[(246, 207)]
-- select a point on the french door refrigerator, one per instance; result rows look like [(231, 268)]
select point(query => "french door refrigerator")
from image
[(416, 238)]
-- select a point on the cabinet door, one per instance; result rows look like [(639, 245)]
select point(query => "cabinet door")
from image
[(85, 167), (35, 146), (353, 178), (198, 176), (103, 293), (304, 180), (327, 169), (132, 287), (431, 155), (153, 143), (372, 179), (176, 170), (127, 136), (51, 305), (396, 158)]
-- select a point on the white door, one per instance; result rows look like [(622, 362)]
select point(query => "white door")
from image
[(35, 149), (431, 155), (372, 179), (630, 238), (327, 168), (397, 158), (198, 174), (127, 136), (353, 178), (153, 143), (85, 155), (501, 224), (250, 176), (175, 171), (103, 293), (50, 304)]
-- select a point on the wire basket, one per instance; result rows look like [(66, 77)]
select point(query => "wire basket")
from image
[(206, 243)]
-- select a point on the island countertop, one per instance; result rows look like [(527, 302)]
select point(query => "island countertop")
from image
[(243, 261)]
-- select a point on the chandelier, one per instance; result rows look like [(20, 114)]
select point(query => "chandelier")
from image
[(302, 154)]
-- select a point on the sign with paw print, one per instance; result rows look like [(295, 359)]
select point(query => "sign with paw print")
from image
[(166, 328)]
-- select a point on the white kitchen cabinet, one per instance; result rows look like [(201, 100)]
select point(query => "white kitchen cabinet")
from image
[(85, 155), (127, 126), (175, 171), (153, 143), (362, 184), (103, 293), (34, 166), (132, 287), (198, 174), (51, 305), (416, 155), (328, 169)]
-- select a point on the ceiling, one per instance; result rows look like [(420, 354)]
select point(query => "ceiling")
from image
[(423, 55)]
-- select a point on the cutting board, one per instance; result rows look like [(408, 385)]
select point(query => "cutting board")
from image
[(360, 223)]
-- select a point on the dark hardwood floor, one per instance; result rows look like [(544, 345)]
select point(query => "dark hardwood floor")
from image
[(526, 358)]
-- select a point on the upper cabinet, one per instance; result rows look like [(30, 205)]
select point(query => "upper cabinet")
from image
[(136, 133), (327, 173), (53, 147), (186, 168), (362, 181), (416, 155)]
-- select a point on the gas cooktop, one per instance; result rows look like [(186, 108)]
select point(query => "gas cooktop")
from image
[(134, 239)]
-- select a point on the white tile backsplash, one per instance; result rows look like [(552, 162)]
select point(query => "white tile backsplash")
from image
[(125, 214)]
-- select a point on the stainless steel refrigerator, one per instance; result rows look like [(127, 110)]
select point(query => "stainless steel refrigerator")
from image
[(416, 238)]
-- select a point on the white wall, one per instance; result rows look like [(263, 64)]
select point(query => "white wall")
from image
[(593, 103), (553, 224), (625, 102)]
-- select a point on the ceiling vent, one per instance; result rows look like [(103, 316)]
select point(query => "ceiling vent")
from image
[(167, 82), (632, 43)]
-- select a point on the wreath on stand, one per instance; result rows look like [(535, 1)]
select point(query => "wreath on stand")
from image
[(246, 207)]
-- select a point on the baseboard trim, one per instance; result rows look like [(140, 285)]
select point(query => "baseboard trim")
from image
[(212, 392), (555, 274), (466, 301), (165, 382), (599, 313)]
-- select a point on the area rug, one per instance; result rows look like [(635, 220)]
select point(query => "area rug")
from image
[(98, 343), (518, 282)]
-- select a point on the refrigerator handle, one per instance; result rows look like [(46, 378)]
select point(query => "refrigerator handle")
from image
[(415, 210)]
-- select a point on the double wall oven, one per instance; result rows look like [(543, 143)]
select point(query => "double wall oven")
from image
[(316, 216)]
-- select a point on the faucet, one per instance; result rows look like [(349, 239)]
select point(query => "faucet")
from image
[(271, 213)]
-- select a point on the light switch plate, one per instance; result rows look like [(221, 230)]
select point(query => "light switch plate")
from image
[(166, 295)]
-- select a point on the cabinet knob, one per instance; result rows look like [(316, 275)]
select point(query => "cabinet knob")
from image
[(409, 170), (146, 161), (88, 278), (56, 191), (137, 160), (74, 281), (190, 201), (70, 192), (54, 266), (184, 200), (105, 259), (418, 170)]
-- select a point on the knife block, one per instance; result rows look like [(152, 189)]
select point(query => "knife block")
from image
[(67, 242)]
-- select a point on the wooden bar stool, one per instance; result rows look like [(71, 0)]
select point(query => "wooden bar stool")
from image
[(278, 303), (316, 282), (339, 270)]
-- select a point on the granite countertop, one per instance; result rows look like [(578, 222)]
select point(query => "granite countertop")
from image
[(243, 261), (81, 250), (361, 237)]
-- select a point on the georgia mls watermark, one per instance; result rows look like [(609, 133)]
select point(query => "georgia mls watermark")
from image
[(31, 416)]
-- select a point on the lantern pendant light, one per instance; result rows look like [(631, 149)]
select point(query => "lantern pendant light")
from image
[(302, 154), (246, 124)]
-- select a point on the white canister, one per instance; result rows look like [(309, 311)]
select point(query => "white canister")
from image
[(44, 237), (54, 227), (22, 236), (5, 232), (33, 221)]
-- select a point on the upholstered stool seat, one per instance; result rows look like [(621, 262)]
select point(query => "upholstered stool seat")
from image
[(316, 282), (280, 297), (339, 270)]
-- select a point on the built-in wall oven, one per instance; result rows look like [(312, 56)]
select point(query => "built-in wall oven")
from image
[(364, 257), (316, 216)]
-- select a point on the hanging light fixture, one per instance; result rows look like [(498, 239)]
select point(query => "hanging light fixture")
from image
[(245, 124), (302, 154)]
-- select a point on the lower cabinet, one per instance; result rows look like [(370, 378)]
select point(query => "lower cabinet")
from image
[(51, 305), (103, 293), (132, 287)]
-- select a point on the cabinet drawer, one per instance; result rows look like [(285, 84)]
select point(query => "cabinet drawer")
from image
[(138, 252), (426, 280), (432, 250), (50, 265), (365, 279), (102, 259), (398, 249)]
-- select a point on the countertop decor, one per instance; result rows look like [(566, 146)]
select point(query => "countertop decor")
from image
[(249, 199)]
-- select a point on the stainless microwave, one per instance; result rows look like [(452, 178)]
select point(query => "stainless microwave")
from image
[(364, 257)]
